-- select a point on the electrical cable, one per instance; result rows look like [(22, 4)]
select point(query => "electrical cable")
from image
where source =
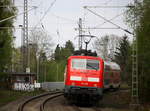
[(15, 27), (4, 6), (15, 15), (63, 18), (108, 21), (128, 6), (35, 7), (107, 2), (51, 5)]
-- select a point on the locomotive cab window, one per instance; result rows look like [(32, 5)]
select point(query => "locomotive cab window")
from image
[(92, 64), (85, 64), (79, 63)]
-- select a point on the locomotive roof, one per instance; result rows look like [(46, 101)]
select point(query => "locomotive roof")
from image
[(83, 52), (112, 65), (85, 57)]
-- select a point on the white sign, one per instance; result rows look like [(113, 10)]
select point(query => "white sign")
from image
[(28, 70), (23, 86), (37, 85)]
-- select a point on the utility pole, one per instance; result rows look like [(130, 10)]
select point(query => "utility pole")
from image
[(135, 87), (80, 34), (13, 2), (135, 95), (25, 51)]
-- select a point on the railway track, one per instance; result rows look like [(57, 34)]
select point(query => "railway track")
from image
[(38, 100), (42, 108), (50, 102), (77, 108), (60, 104)]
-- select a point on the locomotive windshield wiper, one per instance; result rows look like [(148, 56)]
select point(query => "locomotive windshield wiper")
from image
[(92, 67)]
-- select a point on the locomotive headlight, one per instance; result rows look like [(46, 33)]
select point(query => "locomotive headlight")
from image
[(75, 78), (95, 85), (91, 79), (73, 83)]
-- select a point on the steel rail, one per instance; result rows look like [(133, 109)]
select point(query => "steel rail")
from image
[(21, 107), (46, 100)]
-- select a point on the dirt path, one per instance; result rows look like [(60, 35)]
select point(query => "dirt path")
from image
[(13, 106)]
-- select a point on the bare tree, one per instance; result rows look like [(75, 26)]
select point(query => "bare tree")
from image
[(41, 44), (42, 41), (106, 46)]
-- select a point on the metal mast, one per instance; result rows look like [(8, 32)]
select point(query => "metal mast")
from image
[(135, 95), (25, 51), (13, 2), (135, 89), (80, 34)]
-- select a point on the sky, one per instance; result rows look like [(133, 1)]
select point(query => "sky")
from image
[(62, 18)]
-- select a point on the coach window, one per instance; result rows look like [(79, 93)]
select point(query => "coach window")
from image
[(112, 74), (107, 67)]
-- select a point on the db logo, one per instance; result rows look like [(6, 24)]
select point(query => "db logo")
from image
[(84, 79), (84, 83)]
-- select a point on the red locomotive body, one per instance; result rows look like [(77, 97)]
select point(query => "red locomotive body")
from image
[(84, 76)]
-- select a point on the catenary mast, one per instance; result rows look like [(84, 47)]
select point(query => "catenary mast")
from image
[(25, 50)]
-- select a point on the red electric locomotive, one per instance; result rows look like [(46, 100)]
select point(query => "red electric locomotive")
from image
[(87, 75), (84, 77)]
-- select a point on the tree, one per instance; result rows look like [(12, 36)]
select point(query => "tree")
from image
[(6, 37), (122, 57), (40, 47), (33, 57), (67, 50), (141, 13), (57, 54), (62, 53), (69, 46), (16, 60), (106, 46), (42, 40), (6, 34), (55, 68)]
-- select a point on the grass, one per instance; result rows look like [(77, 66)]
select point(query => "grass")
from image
[(113, 109), (125, 86), (7, 96)]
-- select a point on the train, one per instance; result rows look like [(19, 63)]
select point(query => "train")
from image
[(87, 76), (112, 79)]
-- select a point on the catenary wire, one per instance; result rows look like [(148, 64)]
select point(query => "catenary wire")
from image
[(107, 2), (8, 18), (108, 21), (51, 5)]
